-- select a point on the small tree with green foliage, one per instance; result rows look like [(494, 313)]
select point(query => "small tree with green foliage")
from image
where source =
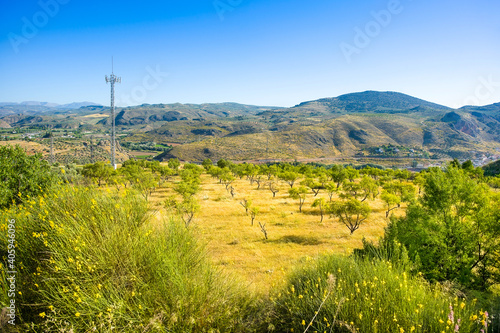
[(145, 183), (320, 203), (222, 163), (299, 193), (289, 177), (174, 164), (98, 172), (186, 208), (351, 173), (246, 203), (254, 211), (226, 177), (314, 185), (165, 173), (331, 188), (392, 201), (207, 163), (352, 213)]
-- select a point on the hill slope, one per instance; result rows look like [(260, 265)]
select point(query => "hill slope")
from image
[(492, 169), (358, 124), (350, 125), (373, 101), (363, 102)]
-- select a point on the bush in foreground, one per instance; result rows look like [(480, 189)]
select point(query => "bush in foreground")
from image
[(90, 260), (340, 294), (22, 176)]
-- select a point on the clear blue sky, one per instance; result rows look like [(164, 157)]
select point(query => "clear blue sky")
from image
[(263, 52)]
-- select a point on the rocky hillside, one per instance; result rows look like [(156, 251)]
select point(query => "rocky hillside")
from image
[(373, 124)]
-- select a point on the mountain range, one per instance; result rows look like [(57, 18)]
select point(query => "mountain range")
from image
[(354, 124), (33, 107)]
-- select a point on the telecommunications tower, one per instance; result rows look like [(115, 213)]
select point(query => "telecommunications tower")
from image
[(113, 79)]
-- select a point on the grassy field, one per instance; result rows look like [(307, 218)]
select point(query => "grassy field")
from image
[(101, 258), (237, 246)]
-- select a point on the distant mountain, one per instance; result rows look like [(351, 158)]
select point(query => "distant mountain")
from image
[(362, 102), (492, 169), (347, 125), (357, 124), (4, 124), (35, 103), (33, 107), (490, 109), (373, 101), (147, 113), (77, 105)]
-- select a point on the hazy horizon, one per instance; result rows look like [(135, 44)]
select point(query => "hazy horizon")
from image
[(49, 103)]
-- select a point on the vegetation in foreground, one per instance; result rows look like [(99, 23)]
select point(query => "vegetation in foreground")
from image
[(91, 257), (339, 294), (94, 263)]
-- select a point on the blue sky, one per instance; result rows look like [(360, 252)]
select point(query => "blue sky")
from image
[(272, 52)]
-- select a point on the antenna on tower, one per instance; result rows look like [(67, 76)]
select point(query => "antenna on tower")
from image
[(112, 79)]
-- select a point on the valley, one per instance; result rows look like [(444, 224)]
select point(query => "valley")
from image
[(354, 127)]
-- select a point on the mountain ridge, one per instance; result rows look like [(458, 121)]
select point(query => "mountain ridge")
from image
[(365, 101), (378, 99), (357, 124)]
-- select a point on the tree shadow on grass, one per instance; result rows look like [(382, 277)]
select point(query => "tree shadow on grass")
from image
[(301, 240)]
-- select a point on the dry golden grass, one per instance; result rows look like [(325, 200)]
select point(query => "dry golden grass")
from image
[(30, 147), (96, 115), (240, 248)]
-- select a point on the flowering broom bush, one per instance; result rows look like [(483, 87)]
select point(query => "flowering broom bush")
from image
[(341, 294), (90, 260)]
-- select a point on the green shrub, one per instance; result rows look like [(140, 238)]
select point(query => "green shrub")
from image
[(92, 260), (22, 176), (340, 294)]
